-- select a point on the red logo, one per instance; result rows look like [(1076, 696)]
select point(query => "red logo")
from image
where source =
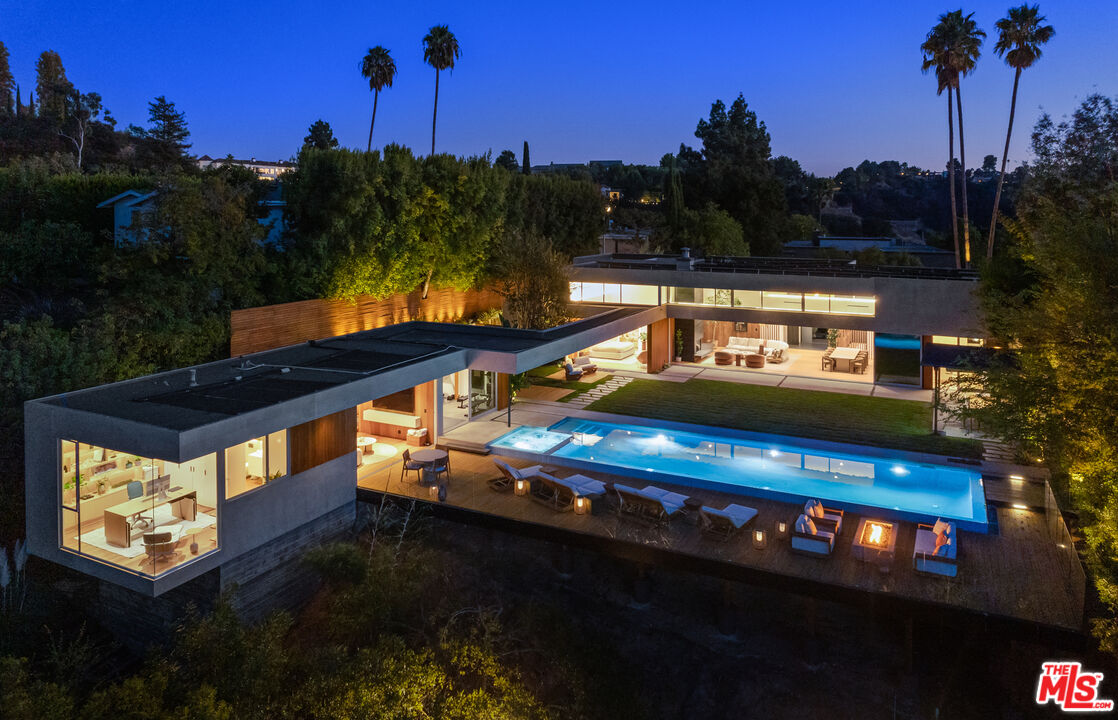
[(1073, 689)]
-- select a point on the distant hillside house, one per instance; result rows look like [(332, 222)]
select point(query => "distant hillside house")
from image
[(128, 203), (611, 194), (264, 169), (125, 206)]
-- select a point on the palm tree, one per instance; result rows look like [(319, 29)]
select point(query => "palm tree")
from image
[(379, 69), (935, 49), (440, 50), (964, 48), (1020, 35)]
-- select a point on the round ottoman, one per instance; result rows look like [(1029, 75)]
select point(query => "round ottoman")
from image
[(755, 360), (722, 357)]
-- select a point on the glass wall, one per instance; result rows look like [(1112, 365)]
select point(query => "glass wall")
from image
[(483, 391), (255, 462), (772, 300), (615, 293), (144, 514)]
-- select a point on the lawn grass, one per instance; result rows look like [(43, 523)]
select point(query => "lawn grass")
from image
[(881, 422), (539, 376)]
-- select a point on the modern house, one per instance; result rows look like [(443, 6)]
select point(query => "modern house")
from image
[(223, 473)]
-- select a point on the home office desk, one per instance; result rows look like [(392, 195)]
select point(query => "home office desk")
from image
[(118, 525)]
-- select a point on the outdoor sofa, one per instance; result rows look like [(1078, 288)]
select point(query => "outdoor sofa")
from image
[(808, 538), (830, 518)]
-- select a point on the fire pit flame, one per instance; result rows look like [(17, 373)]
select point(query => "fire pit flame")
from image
[(875, 534)]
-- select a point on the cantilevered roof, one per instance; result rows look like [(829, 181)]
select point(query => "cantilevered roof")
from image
[(767, 265), (191, 397)]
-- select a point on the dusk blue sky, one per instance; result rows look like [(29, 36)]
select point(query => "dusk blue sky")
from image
[(836, 82)]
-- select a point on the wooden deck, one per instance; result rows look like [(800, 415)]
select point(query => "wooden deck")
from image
[(1028, 573)]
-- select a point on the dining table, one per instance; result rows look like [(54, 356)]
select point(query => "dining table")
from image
[(845, 354), (429, 458)]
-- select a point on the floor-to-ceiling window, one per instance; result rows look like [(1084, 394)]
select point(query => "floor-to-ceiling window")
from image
[(483, 391), (144, 514)]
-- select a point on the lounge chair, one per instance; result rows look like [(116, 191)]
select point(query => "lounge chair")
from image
[(638, 505), (725, 523), (777, 356), (829, 518), (161, 544), (509, 475), (572, 373), (809, 539), (933, 555), (560, 493), (584, 364)]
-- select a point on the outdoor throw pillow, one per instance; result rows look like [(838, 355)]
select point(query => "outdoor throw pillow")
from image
[(941, 528), (813, 508)]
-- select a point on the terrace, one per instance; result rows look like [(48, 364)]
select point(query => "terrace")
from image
[(1025, 576)]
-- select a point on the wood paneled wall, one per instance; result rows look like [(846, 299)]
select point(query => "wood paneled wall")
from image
[(502, 390), (660, 343), (272, 326), (322, 440), (424, 410)]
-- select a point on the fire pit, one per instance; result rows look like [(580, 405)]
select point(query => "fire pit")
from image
[(875, 541)]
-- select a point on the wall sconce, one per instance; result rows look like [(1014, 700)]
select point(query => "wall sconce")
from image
[(782, 529), (521, 487), (759, 540), (582, 505)]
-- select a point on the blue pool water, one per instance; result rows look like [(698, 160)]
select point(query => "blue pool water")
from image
[(897, 342), (902, 488)]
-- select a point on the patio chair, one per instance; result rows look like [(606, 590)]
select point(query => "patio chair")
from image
[(809, 539), (830, 518), (572, 373), (777, 356), (725, 523), (408, 465), (828, 363), (509, 475), (859, 363), (936, 549)]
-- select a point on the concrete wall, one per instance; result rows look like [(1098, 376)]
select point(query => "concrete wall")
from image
[(912, 306)]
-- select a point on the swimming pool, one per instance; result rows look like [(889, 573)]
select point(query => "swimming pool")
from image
[(779, 469)]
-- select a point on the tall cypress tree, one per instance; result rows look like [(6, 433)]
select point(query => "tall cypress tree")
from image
[(526, 168), (673, 197), (19, 103), (7, 82)]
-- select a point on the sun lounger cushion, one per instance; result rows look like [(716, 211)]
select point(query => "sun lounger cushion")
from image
[(943, 527), (672, 501), (739, 515), (586, 485), (521, 474), (578, 484)]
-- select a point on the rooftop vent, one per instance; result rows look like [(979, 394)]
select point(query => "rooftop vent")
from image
[(193, 378), (685, 261)]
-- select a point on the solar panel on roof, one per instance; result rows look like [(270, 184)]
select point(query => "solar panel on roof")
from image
[(235, 397)]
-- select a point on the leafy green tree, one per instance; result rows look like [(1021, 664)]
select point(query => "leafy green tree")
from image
[(734, 171), (52, 86), (1021, 33), (7, 84), (440, 51), (321, 136), (526, 168), (379, 69), (713, 231), (507, 160), (532, 278), (1054, 301)]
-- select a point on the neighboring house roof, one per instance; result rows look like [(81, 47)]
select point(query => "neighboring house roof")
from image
[(128, 196)]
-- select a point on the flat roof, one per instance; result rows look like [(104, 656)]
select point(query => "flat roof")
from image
[(190, 397), (769, 266)]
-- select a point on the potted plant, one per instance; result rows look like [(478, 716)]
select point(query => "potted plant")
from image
[(832, 338), (101, 487), (679, 346)]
